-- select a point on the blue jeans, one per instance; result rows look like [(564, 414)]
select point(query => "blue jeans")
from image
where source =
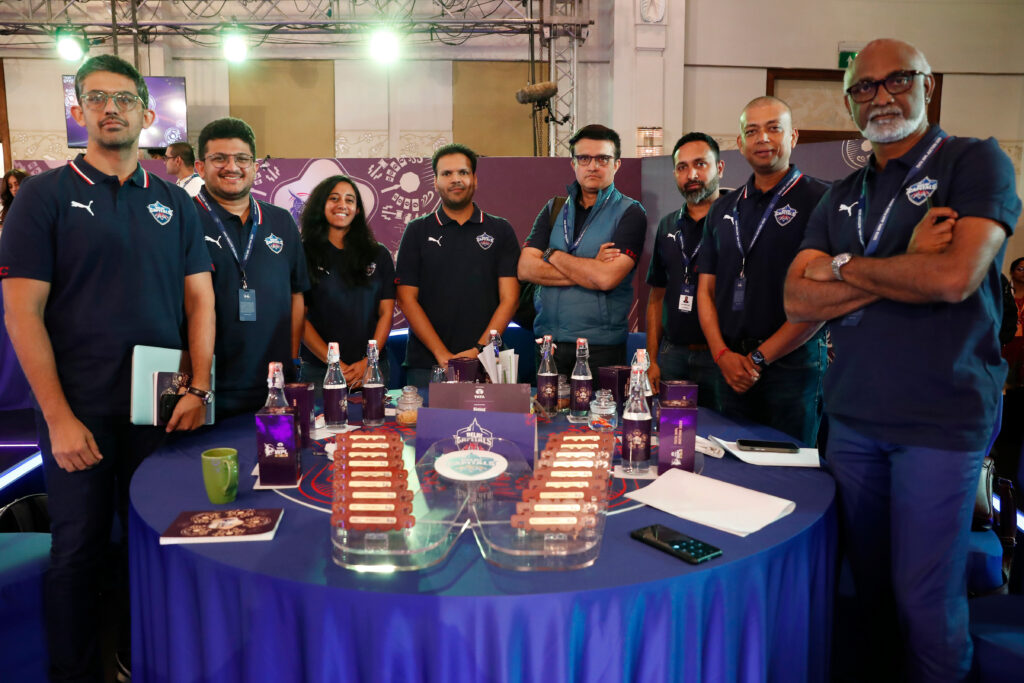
[(82, 506), (906, 518), (680, 362), (788, 395)]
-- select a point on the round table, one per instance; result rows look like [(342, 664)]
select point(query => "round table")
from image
[(282, 611)]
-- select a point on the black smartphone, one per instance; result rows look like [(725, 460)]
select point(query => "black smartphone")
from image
[(168, 402), (758, 445), (675, 543)]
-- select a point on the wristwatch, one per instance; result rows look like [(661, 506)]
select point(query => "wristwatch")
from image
[(838, 262), (479, 347), (547, 254), (204, 396), (757, 358)]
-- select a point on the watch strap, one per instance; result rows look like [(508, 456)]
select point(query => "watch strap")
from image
[(204, 396)]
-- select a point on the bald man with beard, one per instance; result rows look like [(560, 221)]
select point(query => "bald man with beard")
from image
[(902, 258)]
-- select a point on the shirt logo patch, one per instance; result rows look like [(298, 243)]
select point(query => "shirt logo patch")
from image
[(848, 208), (160, 213), (784, 215), (215, 241), (275, 243), (920, 191), (672, 235), (87, 207), (371, 269), (484, 240), (435, 239)]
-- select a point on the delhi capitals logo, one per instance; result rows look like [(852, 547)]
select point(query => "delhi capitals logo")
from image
[(784, 215), (920, 191), (275, 243), (474, 433), (484, 240), (371, 269), (160, 213)]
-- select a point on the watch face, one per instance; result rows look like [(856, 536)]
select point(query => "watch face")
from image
[(757, 357)]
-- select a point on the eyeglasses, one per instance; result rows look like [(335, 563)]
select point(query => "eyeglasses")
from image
[(895, 83), (221, 160), (586, 159), (97, 100)]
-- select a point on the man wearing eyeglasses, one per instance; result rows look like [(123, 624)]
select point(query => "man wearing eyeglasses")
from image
[(769, 370), (180, 161), (97, 257), (902, 258), (259, 268), (582, 252)]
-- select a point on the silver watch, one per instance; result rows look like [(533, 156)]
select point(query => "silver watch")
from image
[(838, 261)]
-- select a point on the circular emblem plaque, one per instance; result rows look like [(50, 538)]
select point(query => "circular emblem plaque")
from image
[(470, 465)]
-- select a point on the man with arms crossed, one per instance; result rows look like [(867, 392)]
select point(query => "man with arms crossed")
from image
[(903, 257), (673, 328), (97, 257)]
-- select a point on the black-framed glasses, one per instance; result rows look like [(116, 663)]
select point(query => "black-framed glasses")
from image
[(586, 159), (97, 100), (895, 83), (221, 160)]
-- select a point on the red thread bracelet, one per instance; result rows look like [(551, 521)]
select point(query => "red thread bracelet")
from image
[(718, 356)]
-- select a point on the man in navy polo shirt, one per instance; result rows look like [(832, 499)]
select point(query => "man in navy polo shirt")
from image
[(583, 257), (97, 257), (259, 268), (903, 258), (770, 370), (456, 271), (675, 342)]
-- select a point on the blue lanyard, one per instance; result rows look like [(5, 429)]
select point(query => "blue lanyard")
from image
[(788, 182), (681, 241), (876, 236), (572, 246), (253, 213)]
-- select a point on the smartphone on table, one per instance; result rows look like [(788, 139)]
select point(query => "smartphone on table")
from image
[(760, 445), (676, 543)]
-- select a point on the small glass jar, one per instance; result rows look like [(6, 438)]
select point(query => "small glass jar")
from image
[(603, 417), (408, 404)]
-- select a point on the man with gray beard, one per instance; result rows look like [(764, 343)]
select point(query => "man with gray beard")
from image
[(902, 258), (675, 342)]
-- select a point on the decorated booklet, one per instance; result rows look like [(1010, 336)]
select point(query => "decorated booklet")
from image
[(216, 526)]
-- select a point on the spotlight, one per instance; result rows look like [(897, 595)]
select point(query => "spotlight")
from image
[(235, 45), (71, 45), (384, 46)]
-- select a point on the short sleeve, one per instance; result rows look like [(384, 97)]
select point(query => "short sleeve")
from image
[(540, 236), (407, 272), (197, 256), (508, 258), (707, 259), (656, 272), (386, 269), (631, 232), (816, 232), (27, 244), (985, 185)]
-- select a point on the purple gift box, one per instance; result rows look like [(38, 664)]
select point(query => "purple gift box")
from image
[(677, 438), (464, 369), (678, 393), (277, 441), (615, 378), (300, 396)]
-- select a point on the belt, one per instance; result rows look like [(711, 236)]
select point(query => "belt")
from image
[(697, 347), (745, 346)]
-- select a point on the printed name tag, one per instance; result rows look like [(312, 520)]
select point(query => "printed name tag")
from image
[(247, 305), (686, 299), (738, 292)]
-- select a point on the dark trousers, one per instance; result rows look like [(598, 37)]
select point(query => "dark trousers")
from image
[(600, 356), (788, 395), (82, 560), (906, 518)]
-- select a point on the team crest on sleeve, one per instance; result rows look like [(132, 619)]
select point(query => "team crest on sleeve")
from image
[(275, 243), (484, 240), (784, 215), (160, 213), (921, 191), (371, 269)]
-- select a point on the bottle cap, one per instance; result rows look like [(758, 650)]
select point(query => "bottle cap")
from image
[(333, 352)]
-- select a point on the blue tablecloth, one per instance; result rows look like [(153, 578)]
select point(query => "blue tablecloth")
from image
[(283, 611)]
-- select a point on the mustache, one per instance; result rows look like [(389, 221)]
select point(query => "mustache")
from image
[(887, 110), (115, 119)]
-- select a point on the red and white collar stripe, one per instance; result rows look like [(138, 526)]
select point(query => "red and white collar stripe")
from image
[(81, 173)]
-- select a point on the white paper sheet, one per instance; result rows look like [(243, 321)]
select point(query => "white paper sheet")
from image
[(805, 457), (510, 366), (714, 503)]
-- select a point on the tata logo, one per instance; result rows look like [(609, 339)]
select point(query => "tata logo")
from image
[(920, 191), (785, 215)]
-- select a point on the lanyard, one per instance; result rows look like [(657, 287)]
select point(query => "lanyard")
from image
[(253, 213), (872, 246), (786, 184), (681, 241), (572, 246)]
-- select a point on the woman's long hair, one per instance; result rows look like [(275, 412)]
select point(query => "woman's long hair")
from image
[(6, 196), (360, 245)]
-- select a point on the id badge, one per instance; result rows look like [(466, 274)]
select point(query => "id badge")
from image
[(852, 319), (686, 299), (738, 292), (247, 305)]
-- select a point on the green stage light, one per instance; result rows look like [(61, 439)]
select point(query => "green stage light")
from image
[(384, 46), (235, 46), (71, 44)]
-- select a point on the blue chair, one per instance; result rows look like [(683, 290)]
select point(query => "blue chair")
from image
[(997, 626), (23, 559)]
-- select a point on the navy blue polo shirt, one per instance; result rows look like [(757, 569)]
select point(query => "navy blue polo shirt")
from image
[(456, 268), (920, 374), (628, 237), (348, 314), (276, 270), (679, 238), (768, 259), (116, 257)]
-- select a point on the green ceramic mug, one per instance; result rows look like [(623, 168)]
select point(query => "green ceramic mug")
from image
[(220, 474)]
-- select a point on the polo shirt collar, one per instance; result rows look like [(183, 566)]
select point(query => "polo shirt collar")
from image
[(442, 217), (750, 189), (93, 176), (210, 204), (574, 191), (911, 156)]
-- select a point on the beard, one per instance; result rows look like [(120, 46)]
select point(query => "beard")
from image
[(703, 192), (894, 130), (457, 204)]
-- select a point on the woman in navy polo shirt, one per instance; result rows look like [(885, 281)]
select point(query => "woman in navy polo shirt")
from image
[(353, 277)]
